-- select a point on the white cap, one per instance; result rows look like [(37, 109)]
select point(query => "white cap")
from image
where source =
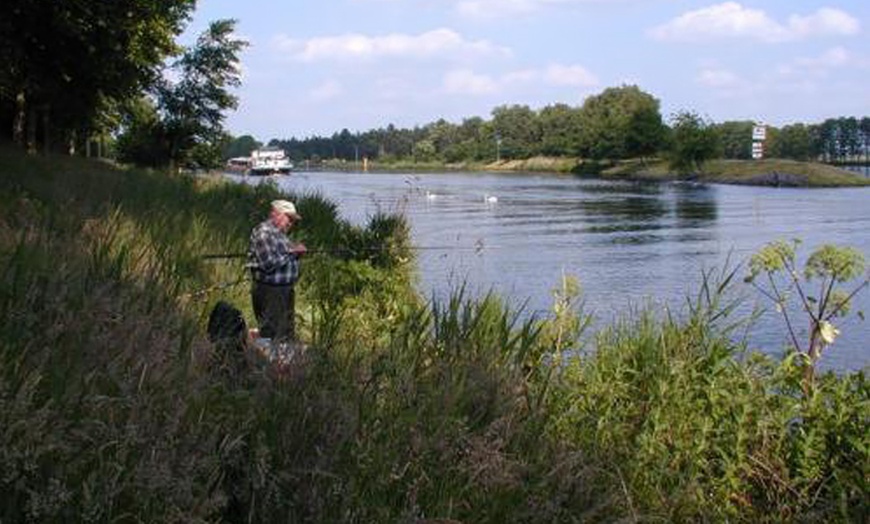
[(283, 206)]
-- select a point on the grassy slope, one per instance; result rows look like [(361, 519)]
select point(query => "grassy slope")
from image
[(112, 406), (770, 172)]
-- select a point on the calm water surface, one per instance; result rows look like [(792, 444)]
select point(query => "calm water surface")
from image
[(628, 243)]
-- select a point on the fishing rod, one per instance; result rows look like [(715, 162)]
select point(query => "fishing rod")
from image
[(195, 295), (478, 247)]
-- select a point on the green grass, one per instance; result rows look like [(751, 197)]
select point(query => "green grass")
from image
[(785, 172), (115, 407), (768, 172)]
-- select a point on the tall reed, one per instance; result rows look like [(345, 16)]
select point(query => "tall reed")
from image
[(114, 407)]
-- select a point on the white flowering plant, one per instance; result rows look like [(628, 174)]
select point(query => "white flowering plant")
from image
[(818, 291)]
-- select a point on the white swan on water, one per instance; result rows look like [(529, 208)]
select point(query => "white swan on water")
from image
[(490, 199)]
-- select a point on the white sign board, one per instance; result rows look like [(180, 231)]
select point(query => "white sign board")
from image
[(759, 133), (757, 150)]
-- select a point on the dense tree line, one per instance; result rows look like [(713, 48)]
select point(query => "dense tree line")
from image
[(81, 70), (77, 71), (619, 123), (836, 140), (67, 65)]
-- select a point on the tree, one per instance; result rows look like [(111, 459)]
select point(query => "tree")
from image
[(470, 141), (424, 151), (142, 141), (793, 141), (560, 130), (817, 146), (693, 141), (518, 130), (193, 109), (864, 127), (736, 139), (646, 132), (619, 123), (240, 146), (345, 145), (442, 134), (65, 61), (850, 141)]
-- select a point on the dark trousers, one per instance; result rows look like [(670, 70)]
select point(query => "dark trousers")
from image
[(274, 307)]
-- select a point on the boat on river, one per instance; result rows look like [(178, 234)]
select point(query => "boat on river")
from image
[(269, 161)]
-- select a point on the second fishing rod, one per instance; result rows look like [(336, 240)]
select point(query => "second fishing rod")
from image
[(477, 248)]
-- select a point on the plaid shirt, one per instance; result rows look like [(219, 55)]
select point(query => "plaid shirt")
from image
[(270, 256)]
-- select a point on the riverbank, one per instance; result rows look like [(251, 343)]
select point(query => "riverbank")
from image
[(772, 172), (769, 172), (115, 406)]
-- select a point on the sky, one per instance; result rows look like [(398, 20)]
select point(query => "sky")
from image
[(316, 67)]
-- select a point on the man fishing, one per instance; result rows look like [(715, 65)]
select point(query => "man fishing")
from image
[(274, 263)]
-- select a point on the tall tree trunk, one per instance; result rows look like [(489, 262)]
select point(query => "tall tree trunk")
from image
[(46, 131), (31, 130), (19, 123)]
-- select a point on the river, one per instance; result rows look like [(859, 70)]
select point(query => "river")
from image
[(628, 243)]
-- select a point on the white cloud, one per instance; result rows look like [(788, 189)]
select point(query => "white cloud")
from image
[(805, 75), (466, 82), (561, 75), (725, 83), (825, 21), (719, 78), (520, 76), (506, 8), (392, 87), (832, 58), (733, 20), (816, 66), (494, 8), (431, 44), (328, 90)]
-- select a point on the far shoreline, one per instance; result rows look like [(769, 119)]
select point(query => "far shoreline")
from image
[(765, 173)]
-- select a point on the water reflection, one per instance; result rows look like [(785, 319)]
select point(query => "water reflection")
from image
[(622, 228), (636, 188), (637, 239), (695, 205), (627, 208), (626, 242)]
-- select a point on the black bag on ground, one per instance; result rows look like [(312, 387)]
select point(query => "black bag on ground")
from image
[(226, 322), (228, 332)]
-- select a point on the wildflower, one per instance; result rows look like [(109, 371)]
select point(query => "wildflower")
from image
[(828, 332)]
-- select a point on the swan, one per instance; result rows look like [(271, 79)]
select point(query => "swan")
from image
[(490, 199), (431, 196)]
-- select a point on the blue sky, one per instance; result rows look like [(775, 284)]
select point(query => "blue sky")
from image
[(317, 67)]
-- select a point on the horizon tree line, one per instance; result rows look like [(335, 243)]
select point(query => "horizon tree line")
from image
[(111, 73), (620, 123)]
